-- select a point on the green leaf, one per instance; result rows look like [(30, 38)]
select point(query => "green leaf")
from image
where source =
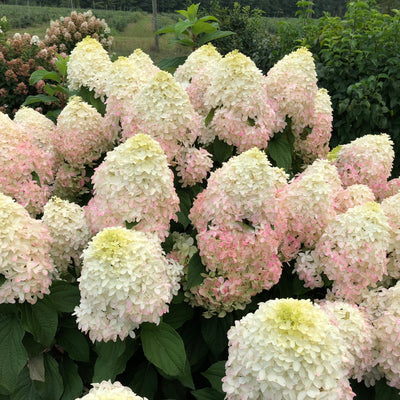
[(39, 98), (208, 18), (2, 279), (192, 12), (61, 64), (164, 348), (130, 225), (36, 368), (36, 178), (112, 358), (171, 64), (42, 74), (49, 89), (208, 37), (25, 389), (166, 29), (178, 314), (209, 117), (279, 150), (185, 205), (214, 332), (195, 269), (251, 121), (182, 26), (214, 374), (186, 378), (222, 151), (13, 355), (73, 385), (40, 319), (145, 381), (64, 296), (207, 394), (196, 347), (75, 344), (202, 27), (184, 42), (383, 391), (53, 387), (89, 97)]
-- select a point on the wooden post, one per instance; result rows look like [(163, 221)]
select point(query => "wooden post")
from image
[(155, 25)]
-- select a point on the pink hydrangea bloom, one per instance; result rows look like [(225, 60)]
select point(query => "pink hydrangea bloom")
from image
[(367, 160), (353, 250), (25, 254), (81, 135), (351, 196), (243, 115), (308, 204)]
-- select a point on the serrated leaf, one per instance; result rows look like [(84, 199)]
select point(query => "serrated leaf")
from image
[(210, 116), (112, 358), (192, 12), (64, 296), (208, 37), (207, 394), (61, 64), (41, 320), (42, 74), (73, 385), (25, 389), (182, 26), (53, 386), (75, 344), (164, 348), (39, 98), (178, 314), (36, 368), (145, 381), (195, 269), (13, 355), (214, 374), (214, 332)]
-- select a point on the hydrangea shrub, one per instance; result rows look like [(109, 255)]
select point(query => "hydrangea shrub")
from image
[(196, 241)]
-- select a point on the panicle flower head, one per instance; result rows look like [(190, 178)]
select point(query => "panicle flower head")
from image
[(243, 115), (24, 255), (202, 57), (110, 391), (292, 83), (134, 184), (40, 126), (391, 208), (27, 170), (357, 333), (315, 144), (286, 349), (193, 165), (81, 135), (308, 204), (353, 250), (367, 160), (144, 62), (69, 231), (126, 280), (163, 111), (88, 66)]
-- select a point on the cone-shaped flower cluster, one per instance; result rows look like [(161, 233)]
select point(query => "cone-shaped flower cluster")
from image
[(125, 280), (69, 230), (135, 185), (110, 391), (287, 349), (24, 254)]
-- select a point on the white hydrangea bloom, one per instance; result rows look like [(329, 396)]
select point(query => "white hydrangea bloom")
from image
[(351, 196), (88, 66), (163, 111), (357, 333), (134, 184), (24, 254), (126, 280), (203, 57), (40, 126), (287, 349), (110, 391), (391, 208), (144, 62), (69, 230)]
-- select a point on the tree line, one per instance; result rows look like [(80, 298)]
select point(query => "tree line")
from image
[(271, 8)]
